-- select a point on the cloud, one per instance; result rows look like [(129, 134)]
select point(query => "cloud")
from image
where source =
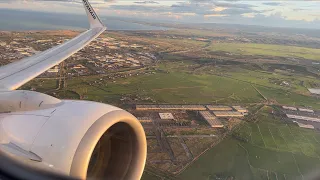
[(218, 9), (146, 2), (230, 11), (234, 5), (272, 3), (66, 1), (214, 15), (299, 9)]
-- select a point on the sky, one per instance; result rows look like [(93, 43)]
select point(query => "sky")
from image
[(290, 13)]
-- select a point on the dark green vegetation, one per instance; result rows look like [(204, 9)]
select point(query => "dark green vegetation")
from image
[(273, 150)]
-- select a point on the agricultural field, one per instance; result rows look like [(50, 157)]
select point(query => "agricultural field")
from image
[(267, 50), (179, 82), (268, 149), (297, 82), (165, 88)]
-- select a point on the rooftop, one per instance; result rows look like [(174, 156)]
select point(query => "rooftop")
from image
[(219, 108), (306, 110), (240, 109), (314, 91), (228, 114), (166, 116), (289, 108), (308, 126), (211, 119), (170, 107), (305, 118)]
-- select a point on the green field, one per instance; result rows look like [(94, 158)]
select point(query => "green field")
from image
[(179, 88), (298, 80), (274, 150), (289, 98), (164, 88), (174, 82), (267, 50)]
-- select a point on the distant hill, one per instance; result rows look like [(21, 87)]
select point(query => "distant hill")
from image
[(18, 20)]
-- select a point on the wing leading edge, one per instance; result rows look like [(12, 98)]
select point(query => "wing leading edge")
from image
[(14, 75)]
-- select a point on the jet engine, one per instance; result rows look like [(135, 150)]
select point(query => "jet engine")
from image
[(82, 139)]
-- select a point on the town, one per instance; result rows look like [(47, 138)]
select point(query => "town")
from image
[(101, 56)]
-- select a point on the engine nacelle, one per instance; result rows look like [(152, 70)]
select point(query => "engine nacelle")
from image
[(78, 138)]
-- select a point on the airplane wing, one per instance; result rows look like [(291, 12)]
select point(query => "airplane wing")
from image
[(61, 136), (14, 75)]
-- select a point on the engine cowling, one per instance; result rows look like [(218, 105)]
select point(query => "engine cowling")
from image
[(78, 138)]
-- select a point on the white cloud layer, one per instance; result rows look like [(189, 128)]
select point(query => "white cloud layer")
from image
[(268, 13)]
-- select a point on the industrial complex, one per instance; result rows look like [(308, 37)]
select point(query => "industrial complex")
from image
[(303, 117), (212, 114)]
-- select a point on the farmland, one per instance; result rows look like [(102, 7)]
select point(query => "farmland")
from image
[(267, 50), (176, 82), (274, 150)]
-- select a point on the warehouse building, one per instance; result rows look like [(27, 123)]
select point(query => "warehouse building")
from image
[(166, 116), (219, 108), (171, 107), (194, 107), (307, 126), (314, 91), (289, 108), (228, 114), (144, 119), (240, 109), (147, 107), (304, 118), (306, 110), (211, 119)]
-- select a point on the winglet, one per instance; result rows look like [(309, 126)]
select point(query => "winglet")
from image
[(94, 20)]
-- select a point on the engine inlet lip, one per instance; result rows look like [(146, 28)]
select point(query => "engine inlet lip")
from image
[(87, 144)]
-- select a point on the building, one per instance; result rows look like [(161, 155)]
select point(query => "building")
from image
[(289, 108), (211, 119), (306, 110), (171, 107), (240, 109), (304, 118), (54, 70), (314, 91), (144, 119), (166, 116), (193, 107), (147, 107), (228, 114), (307, 126), (182, 107), (219, 108)]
